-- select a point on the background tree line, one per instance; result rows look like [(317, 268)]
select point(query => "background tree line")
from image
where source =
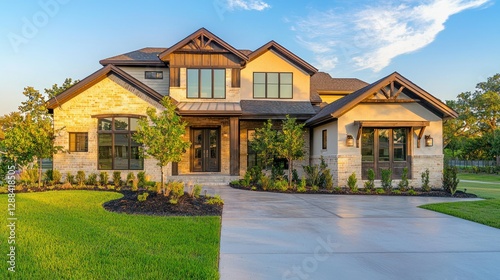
[(475, 134)]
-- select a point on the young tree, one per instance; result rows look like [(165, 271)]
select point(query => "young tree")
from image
[(162, 136), (290, 144), (264, 143)]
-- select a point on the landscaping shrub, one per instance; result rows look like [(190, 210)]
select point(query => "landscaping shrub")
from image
[(197, 190), (117, 178), (403, 184), (135, 185), (327, 179), (370, 183), (412, 192), (103, 178), (380, 191), (92, 179), (245, 182), (386, 179), (278, 172), (352, 182), (215, 200), (295, 176), (70, 178), (29, 176), (319, 175), (143, 197), (130, 178), (313, 174), (301, 187), (450, 179), (265, 182), (425, 181), (176, 189), (398, 192), (80, 178), (141, 176), (281, 185), (254, 175), (52, 176)]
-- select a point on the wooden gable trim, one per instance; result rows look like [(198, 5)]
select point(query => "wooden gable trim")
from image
[(272, 45), (203, 33), (392, 124), (94, 79)]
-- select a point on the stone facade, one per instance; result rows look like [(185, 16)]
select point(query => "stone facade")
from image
[(108, 96)]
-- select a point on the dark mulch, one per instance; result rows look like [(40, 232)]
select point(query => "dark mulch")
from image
[(157, 204), (345, 191)]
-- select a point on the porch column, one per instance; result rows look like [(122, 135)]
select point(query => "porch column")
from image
[(234, 146)]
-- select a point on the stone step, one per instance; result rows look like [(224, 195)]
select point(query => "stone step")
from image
[(204, 180)]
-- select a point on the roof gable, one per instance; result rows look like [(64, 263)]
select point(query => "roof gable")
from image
[(272, 45), (391, 88), (202, 41), (97, 77)]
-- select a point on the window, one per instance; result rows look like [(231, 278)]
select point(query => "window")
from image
[(272, 85), (206, 83), (78, 142), (385, 148), (157, 75), (117, 150), (324, 139)]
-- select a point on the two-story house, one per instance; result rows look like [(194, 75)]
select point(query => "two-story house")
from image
[(225, 93)]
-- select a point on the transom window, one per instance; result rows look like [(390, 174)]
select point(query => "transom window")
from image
[(78, 142), (206, 83), (384, 148), (272, 85), (117, 149)]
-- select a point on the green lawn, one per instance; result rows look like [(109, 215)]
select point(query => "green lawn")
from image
[(68, 235), (486, 212)]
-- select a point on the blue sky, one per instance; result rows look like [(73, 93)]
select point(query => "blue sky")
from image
[(444, 46)]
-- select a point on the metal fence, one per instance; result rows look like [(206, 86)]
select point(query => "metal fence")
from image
[(471, 163)]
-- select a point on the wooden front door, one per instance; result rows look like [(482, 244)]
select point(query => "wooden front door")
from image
[(205, 155), (385, 148)]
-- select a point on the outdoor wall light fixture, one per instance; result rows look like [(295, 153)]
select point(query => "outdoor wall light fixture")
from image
[(349, 141), (429, 142), (225, 135)]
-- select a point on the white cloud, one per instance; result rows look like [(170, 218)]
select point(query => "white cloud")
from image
[(372, 36), (256, 5)]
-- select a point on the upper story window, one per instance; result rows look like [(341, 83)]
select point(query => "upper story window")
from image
[(156, 75), (272, 85), (206, 83), (117, 150)]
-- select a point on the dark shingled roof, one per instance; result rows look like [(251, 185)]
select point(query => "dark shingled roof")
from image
[(264, 109), (339, 107), (322, 81), (145, 55)]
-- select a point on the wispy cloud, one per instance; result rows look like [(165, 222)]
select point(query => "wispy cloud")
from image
[(256, 5), (372, 36)]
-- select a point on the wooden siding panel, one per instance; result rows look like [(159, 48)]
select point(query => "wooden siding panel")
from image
[(222, 60)]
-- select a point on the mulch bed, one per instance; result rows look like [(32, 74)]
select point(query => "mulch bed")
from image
[(345, 191), (157, 204)]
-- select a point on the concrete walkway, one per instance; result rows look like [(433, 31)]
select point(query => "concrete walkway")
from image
[(292, 236)]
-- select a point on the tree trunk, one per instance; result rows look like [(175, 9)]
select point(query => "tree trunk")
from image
[(290, 168), (162, 182), (39, 172)]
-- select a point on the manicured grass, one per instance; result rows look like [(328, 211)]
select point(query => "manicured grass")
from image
[(68, 235), (486, 212), (489, 188)]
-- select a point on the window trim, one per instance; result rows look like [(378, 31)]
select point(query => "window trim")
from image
[(324, 139), (155, 76), (76, 142), (266, 85), (113, 132), (199, 83)]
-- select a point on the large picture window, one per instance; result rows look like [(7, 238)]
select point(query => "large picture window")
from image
[(206, 83), (272, 85), (117, 149), (385, 148)]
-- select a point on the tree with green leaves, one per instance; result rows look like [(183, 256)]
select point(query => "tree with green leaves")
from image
[(290, 144), (55, 90), (264, 144), (162, 136)]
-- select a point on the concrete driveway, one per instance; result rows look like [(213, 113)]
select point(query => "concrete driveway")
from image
[(303, 236)]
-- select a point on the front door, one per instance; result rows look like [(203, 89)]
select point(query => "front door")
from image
[(205, 156), (385, 148)]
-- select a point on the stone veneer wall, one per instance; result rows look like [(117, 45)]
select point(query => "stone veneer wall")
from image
[(343, 166), (109, 96)]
